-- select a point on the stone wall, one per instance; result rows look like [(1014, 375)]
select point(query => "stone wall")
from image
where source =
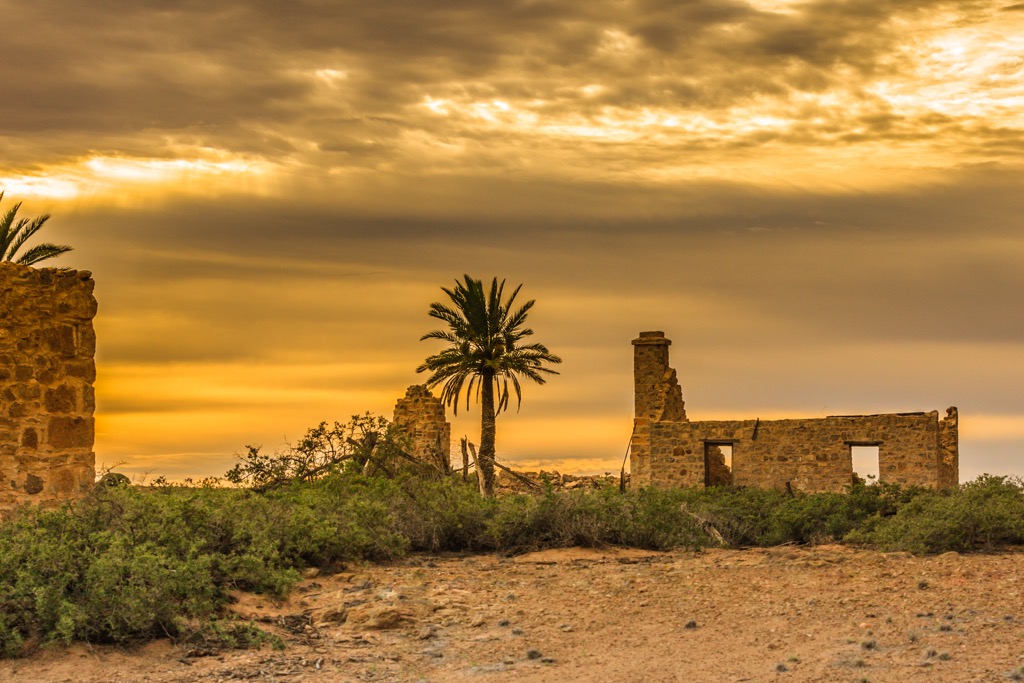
[(421, 417), (47, 370), (802, 454)]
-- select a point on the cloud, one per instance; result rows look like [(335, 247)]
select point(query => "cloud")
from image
[(538, 89)]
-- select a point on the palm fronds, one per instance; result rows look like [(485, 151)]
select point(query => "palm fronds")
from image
[(484, 333), (14, 235)]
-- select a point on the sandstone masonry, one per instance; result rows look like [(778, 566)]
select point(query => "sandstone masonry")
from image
[(808, 455), (422, 418), (47, 370)]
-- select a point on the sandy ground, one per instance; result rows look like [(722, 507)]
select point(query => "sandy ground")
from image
[(827, 613)]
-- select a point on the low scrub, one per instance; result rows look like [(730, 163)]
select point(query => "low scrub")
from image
[(129, 564), (985, 514)]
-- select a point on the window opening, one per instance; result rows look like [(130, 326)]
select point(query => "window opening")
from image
[(717, 464), (865, 463)]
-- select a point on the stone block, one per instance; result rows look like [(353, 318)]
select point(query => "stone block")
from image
[(86, 340), (88, 399), (61, 399), (81, 369), (30, 391), (61, 340), (70, 432), (33, 484)]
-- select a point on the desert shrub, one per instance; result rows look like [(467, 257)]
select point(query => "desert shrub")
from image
[(659, 520), (520, 523), (134, 591), (982, 514), (649, 518), (744, 516), (63, 578), (441, 515), (753, 517), (327, 449), (586, 519), (818, 518), (128, 564), (229, 633), (331, 521), (548, 520), (535, 522), (881, 499)]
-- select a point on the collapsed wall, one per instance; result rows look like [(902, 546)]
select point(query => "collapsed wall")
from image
[(812, 454), (47, 370), (421, 417)]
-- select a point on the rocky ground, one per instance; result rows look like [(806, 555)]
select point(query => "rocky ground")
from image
[(826, 613)]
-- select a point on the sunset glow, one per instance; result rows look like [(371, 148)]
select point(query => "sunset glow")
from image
[(819, 202)]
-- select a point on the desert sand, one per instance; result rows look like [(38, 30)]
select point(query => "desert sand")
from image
[(826, 613)]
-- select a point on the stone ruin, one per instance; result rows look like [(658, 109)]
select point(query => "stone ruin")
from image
[(810, 455), (421, 417), (47, 370)]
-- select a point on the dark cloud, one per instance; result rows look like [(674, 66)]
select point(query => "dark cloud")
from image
[(343, 83)]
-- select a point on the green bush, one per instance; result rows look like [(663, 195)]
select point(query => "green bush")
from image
[(659, 520), (128, 564), (442, 515), (63, 578), (649, 518), (984, 514), (744, 517)]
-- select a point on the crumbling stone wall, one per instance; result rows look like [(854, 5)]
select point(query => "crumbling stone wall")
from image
[(803, 454), (657, 397), (47, 370), (421, 417), (949, 449)]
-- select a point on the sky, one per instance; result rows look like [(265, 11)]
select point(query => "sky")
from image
[(819, 203)]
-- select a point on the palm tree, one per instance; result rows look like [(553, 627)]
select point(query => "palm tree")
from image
[(14, 235), (485, 348)]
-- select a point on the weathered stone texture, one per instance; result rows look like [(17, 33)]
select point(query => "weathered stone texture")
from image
[(47, 344), (658, 395), (949, 449), (421, 417), (802, 454)]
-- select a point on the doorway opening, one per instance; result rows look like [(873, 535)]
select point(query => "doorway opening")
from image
[(717, 464)]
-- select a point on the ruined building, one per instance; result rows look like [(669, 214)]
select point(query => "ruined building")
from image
[(809, 455), (421, 418), (47, 345)]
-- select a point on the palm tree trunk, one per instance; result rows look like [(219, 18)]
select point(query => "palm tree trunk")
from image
[(485, 460)]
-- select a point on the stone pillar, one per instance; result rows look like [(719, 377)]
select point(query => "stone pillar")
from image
[(47, 370), (421, 417), (650, 363), (657, 397)]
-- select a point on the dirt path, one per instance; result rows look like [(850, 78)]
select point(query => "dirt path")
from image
[(787, 614)]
